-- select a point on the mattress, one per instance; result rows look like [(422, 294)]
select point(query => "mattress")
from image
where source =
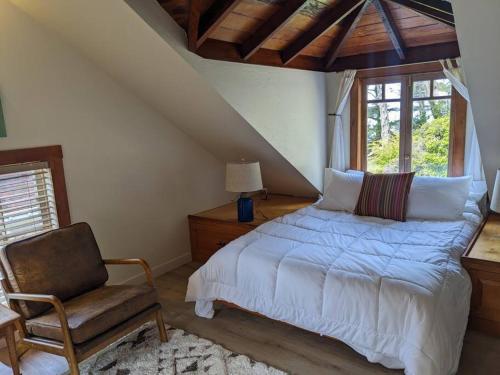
[(393, 291)]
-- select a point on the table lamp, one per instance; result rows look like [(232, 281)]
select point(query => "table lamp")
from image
[(244, 177), (495, 198)]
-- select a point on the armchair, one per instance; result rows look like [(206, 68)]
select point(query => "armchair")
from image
[(57, 283)]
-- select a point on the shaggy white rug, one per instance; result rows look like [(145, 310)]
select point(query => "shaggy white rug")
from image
[(142, 353)]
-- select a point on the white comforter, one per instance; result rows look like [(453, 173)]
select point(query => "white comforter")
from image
[(393, 291)]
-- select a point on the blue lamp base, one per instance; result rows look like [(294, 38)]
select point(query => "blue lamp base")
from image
[(245, 209)]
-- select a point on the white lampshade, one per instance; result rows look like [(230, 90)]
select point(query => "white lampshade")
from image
[(495, 198), (243, 177)]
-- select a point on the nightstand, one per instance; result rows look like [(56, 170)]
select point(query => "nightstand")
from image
[(211, 230), (8, 320), (482, 261)]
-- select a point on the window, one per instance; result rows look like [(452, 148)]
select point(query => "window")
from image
[(430, 126), (27, 201), (407, 122), (33, 196), (383, 123)]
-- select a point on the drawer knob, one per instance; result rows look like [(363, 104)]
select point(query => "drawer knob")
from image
[(221, 243)]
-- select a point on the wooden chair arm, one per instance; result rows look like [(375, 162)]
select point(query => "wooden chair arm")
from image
[(55, 302), (49, 298), (142, 262)]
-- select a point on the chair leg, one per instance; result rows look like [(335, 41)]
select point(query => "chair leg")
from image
[(72, 362), (21, 348), (161, 326)]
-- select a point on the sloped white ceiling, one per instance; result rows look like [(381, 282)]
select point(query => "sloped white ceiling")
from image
[(114, 36), (478, 30), (286, 106)]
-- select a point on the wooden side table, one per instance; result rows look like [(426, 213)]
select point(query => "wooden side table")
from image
[(210, 230), (482, 261), (8, 320)]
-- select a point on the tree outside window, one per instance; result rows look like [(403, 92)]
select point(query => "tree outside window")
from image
[(426, 125)]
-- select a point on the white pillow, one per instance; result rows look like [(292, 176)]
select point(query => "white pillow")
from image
[(341, 190), (355, 171), (478, 190), (431, 198), (438, 198)]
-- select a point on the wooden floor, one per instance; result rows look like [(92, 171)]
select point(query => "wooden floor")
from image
[(277, 344)]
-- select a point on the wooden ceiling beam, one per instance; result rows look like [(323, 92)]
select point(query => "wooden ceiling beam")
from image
[(414, 55), (391, 27), (213, 17), (193, 24), (226, 51), (270, 27), (441, 5), (348, 26), (330, 18), (436, 9)]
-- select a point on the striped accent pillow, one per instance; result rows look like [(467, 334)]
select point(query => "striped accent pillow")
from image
[(384, 195)]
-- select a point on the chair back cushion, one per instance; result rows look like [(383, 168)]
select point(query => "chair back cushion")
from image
[(64, 262)]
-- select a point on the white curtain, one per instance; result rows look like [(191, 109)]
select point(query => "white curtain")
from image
[(337, 156), (473, 165)]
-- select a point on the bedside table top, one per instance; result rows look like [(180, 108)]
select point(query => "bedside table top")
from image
[(264, 210), (487, 245), (7, 316)]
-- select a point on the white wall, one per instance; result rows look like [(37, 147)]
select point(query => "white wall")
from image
[(114, 36), (286, 106), (478, 30), (131, 174)]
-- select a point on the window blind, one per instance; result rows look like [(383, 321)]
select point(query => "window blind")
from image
[(27, 201)]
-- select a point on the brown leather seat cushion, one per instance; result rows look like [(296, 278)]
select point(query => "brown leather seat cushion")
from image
[(65, 262), (95, 312), (83, 349)]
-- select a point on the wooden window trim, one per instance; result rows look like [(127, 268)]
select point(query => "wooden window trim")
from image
[(407, 74), (458, 119), (400, 70), (53, 156)]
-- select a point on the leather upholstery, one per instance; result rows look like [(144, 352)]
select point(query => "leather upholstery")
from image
[(95, 312), (92, 346), (65, 262)]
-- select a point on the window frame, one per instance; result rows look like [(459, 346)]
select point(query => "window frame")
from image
[(53, 156), (406, 75)]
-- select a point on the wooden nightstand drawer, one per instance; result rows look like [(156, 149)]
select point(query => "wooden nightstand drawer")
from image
[(485, 302), (482, 262), (208, 236), (213, 229)]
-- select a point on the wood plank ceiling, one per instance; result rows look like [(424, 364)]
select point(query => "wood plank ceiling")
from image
[(321, 35)]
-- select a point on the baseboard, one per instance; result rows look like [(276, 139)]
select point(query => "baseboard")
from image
[(159, 269)]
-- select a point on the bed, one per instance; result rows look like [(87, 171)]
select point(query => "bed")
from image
[(393, 291)]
